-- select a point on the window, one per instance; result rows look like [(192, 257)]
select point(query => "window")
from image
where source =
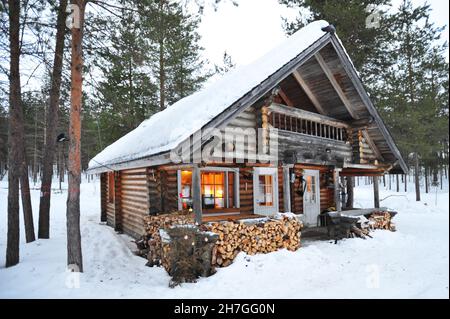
[(186, 189), (218, 189), (311, 189), (111, 187), (265, 191), (213, 190)]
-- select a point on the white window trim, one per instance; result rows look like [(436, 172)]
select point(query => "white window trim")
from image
[(266, 171)]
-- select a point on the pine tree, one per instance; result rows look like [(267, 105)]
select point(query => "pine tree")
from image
[(175, 51), (127, 95), (412, 94), (364, 43)]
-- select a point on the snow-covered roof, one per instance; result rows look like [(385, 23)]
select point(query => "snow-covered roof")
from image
[(165, 130)]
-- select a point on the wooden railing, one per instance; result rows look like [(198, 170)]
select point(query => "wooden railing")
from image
[(299, 121)]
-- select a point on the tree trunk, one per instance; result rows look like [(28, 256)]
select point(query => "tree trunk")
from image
[(15, 111), (406, 183), (35, 148), (51, 125), (74, 255), (397, 186), (426, 180), (162, 75), (26, 197), (350, 195), (416, 176)]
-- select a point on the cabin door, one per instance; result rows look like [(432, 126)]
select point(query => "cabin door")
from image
[(265, 190), (311, 197)]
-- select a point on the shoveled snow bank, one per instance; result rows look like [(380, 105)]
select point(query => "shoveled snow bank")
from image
[(410, 263), (166, 129)]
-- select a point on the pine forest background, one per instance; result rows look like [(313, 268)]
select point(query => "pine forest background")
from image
[(142, 56)]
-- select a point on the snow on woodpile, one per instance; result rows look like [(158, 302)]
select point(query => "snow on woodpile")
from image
[(166, 129)]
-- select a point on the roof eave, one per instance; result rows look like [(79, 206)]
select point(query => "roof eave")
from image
[(357, 82)]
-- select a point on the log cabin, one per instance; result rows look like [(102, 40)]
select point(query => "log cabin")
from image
[(279, 135)]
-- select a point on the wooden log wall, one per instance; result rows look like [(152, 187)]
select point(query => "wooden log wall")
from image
[(134, 201), (362, 152), (110, 207), (313, 149), (170, 187), (245, 120), (162, 189), (154, 190), (246, 190)]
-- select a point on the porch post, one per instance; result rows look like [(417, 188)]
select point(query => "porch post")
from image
[(337, 190), (286, 189), (103, 196), (118, 217), (196, 193), (376, 193)]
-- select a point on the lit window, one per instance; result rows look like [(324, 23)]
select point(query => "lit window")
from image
[(217, 189), (186, 189)]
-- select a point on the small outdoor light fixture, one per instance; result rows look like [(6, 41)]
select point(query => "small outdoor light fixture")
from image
[(61, 138)]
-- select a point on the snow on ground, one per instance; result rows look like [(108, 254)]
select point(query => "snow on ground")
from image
[(410, 263)]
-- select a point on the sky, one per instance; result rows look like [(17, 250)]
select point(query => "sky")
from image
[(254, 27)]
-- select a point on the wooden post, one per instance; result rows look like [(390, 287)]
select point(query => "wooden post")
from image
[(337, 190), (196, 194), (350, 195), (265, 127), (376, 193), (286, 190), (103, 197)]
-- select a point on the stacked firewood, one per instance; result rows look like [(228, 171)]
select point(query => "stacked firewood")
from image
[(376, 220), (381, 220), (253, 237), (152, 242)]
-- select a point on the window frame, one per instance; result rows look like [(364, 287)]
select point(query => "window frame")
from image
[(226, 197)]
